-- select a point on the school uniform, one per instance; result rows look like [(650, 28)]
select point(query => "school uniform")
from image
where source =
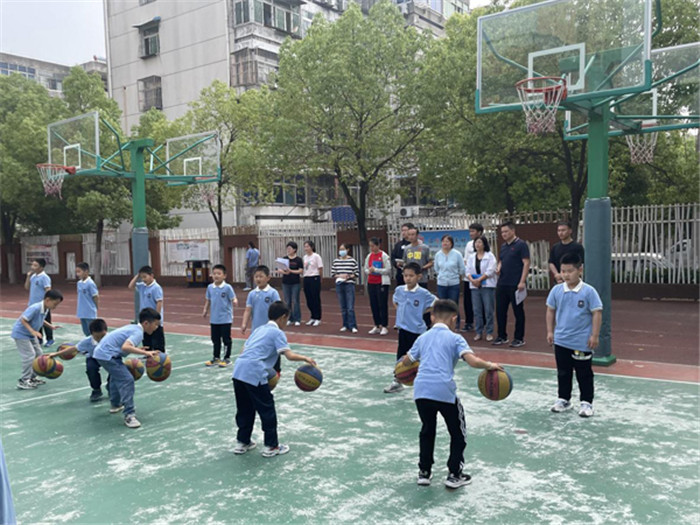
[(27, 344), (410, 309), (92, 366), (435, 391), (574, 322), (108, 354), (251, 373), (149, 295), (38, 283), (259, 302), (220, 316), (87, 309)]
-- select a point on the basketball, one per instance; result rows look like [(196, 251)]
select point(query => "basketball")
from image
[(273, 381), (308, 378), (159, 369), (43, 365), (70, 355), (56, 372), (135, 367), (495, 384), (405, 374)]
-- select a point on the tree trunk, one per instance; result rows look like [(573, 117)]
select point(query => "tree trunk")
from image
[(97, 270), (11, 269), (8, 237)]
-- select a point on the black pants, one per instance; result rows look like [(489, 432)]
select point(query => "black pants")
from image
[(406, 340), (312, 292), (505, 295), (249, 400), (468, 308), (47, 331), (92, 369), (453, 414), (155, 341), (221, 332), (379, 302), (566, 365), (426, 315), (399, 278)]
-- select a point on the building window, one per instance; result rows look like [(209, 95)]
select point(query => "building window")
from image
[(150, 94), (242, 12), (27, 72), (150, 40)]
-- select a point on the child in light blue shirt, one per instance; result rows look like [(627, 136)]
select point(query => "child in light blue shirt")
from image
[(26, 334), (150, 296), (38, 283), (578, 312), (434, 390), (251, 373), (259, 300), (220, 300), (109, 352), (88, 297)]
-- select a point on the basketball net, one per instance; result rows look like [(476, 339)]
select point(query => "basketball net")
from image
[(540, 98), (642, 145), (52, 176)]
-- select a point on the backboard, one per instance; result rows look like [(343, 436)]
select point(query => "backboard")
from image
[(601, 48), (195, 155)]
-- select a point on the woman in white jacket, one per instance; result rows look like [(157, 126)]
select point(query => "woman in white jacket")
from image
[(481, 273), (378, 270)]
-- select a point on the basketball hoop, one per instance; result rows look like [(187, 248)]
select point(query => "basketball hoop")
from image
[(642, 145), (540, 97), (52, 176)]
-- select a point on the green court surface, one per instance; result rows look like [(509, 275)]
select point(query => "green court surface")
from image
[(353, 452)]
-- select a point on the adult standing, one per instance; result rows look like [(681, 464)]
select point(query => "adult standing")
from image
[(346, 271), (476, 230), (291, 283), (378, 269), (313, 272), (252, 261), (397, 253), (513, 268), (449, 268), (481, 272), (565, 245), (419, 253)]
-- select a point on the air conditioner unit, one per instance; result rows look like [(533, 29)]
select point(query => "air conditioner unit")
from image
[(408, 211)]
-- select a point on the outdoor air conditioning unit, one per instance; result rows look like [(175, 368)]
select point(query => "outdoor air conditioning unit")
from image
[(408, 211)]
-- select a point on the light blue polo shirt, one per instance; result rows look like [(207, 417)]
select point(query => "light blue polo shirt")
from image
[(449, 268), (220, 303), (87, 346), (149, 297), (260, 352), (87, 290), (38, 283), (35, 316), (259, 301), (574, 314), (410, 307), (438, 351), (111, 345)]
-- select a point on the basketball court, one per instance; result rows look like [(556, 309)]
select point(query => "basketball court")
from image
[(353, 449)]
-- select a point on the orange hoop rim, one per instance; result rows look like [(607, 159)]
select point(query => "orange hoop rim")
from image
[(561, 84)]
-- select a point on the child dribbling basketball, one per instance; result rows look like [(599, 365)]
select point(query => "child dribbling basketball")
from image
[(435, 391), (220, 299)]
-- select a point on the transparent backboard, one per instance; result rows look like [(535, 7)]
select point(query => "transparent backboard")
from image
[(75, 142), (194, 155), (600, 47)]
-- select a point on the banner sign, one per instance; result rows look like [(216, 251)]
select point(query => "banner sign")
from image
[(181, 251)]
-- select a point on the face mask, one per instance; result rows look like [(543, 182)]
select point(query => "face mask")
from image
[(343, 253)]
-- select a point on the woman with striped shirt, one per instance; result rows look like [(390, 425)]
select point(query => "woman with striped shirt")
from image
[(346, 270)]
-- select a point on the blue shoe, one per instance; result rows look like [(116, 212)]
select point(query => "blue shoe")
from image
[(49, 342)]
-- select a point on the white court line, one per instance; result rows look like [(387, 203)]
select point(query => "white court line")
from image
[(63, 392)]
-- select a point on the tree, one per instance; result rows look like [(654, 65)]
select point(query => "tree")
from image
[(346, 104)]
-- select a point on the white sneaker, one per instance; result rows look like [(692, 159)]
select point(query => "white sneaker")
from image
[(310, 322), (116, 410), (394, 387), (247, 289), (131, 421), (374, 330), (383, 331), (561, 405), (289, 323), (316, 322), (586, 409), (344, 329), (297, 323), (275, 451), (242, 448), (354, 330)]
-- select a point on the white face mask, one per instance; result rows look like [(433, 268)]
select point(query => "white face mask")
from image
[(343, 253)]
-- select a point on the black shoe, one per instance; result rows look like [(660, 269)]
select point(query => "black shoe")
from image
[(424, 477), (95, 396), (517, 343), (454, 481), (499, 341)]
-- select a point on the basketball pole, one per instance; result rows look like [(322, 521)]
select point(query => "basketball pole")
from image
[(597, 214), (139, 234)]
